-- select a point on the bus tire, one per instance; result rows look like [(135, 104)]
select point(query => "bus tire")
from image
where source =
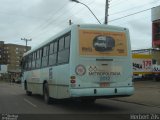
[(29, 93), (46, 94)]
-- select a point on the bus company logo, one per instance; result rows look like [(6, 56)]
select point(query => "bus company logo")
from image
[(80, 70), (92, 68)]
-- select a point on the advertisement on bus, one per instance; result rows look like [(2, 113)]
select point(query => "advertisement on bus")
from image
[(98, 43)]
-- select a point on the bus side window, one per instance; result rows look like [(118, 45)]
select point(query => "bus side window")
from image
[(45, 56), (26, 63), (51, 46), (38, 58), (55, 46), (51, 54), (63, 51), (34, 60), (30, 62), (67, 41), (61, 44), (55, 53)]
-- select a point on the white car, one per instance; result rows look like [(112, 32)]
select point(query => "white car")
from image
[(101, 43)]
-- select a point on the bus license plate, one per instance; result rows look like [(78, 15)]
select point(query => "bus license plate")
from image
[(104, 84)]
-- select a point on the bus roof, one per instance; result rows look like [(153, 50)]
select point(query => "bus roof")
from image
[(103, 26)]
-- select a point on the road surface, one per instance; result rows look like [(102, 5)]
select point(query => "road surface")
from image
[(13, 100)]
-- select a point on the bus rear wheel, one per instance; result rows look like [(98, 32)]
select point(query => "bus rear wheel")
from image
[(27, 92), (46, 94)]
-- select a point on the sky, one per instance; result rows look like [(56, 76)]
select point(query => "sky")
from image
[(40, 19)]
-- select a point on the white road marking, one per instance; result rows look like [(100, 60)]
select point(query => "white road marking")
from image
[(30, 103)]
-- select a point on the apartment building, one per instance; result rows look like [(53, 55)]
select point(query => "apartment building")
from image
[(11, 54)]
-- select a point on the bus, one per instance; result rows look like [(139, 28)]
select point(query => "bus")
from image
[(69, 65)]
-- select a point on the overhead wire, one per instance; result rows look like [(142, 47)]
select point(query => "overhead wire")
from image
[(132, 8), (137, 18), (42, 30), (118, 3), (130, 15), (54, 20), (61, 21), (117, 18), (49, 18), (119, 12)]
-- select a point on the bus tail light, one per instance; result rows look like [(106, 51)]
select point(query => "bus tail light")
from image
[(73, 79)]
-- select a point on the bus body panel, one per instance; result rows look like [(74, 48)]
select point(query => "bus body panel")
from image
[(102, 92), (58, 83), (120, 68)]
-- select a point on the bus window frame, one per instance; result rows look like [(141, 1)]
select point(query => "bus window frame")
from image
[(39, 53)]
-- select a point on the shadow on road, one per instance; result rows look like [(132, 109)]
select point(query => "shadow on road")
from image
[(100, 105)]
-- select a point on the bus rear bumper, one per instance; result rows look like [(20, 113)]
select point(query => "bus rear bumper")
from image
[(105, 92)]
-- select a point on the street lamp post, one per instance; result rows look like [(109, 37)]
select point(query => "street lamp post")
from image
[(88, 9)]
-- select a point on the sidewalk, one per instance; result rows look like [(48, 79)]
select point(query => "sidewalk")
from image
[(146, 93)]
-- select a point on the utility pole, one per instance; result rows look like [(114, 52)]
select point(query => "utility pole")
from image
[(106, 12), (70, 22), (26, 42)]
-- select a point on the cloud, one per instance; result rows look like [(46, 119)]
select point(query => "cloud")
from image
[(41, 19)]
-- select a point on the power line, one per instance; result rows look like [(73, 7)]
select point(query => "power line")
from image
[(61, 21), (53, 20), (133, 8), (119, 3), (130, 15), (103, 18), (50, 18)]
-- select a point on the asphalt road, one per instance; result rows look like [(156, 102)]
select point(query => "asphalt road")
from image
[(13, 100)]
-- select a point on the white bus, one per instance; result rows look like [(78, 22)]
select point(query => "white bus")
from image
[(69, 65)]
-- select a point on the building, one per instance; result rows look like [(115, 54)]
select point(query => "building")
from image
[(3, 69), (11, 55), (156, 26), (2, 55), (154, 52), (156, 33), (3, 72)]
